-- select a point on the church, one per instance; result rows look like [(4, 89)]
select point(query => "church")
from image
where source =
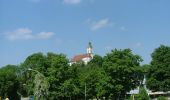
[(84, 57)]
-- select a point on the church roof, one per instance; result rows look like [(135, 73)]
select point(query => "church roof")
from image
[(78, 58)]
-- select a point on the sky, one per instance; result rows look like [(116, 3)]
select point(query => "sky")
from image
[(66, 26)]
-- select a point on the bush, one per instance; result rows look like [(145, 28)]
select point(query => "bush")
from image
[(162, 98)]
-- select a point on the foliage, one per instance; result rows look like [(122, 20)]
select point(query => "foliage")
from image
[(110, 76), (142, 94), (41, 87), (162, 98), (36, 61), (96, 61), (57, 74), (145, 68), (71, 87), (158, 78), (124, 69), (94, 82), (133, 97), (9, 83), (53, 66)]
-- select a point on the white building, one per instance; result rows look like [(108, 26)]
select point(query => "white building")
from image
[(83, 57)]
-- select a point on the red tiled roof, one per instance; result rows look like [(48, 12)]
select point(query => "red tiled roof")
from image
[(78, 58)]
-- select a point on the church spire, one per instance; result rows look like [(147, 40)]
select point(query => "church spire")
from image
[(90, 45), (89, 48)]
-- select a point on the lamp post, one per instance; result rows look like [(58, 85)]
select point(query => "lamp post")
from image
[(41, 85)]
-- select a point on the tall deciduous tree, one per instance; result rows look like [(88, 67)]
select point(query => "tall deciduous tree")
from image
[(53, 66), (57, 74), (96, 61), (94, 82), (9, 83), (36, 61), (124, 69), (158, 78), (41, 87)]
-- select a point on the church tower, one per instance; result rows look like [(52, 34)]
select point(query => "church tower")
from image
[(83, 57), (90, 49)]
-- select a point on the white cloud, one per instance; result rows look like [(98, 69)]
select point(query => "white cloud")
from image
[(21, 33), (44, 35), (72, 1), (96, 25), (27, 34)]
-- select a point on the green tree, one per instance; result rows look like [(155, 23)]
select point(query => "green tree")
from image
[(94, 78), (36, 61), (96, 61), (124, 69), (162, 98), (57, 74), (41, 86), (158, 78), (94, 82), (71, 87), (145, 68), (9, 84), (143, 94), (53, 66)]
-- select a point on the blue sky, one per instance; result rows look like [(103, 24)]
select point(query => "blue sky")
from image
[(66, 26)]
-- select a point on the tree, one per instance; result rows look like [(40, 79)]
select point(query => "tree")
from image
[(9, 84), (124, 69), (71, 87), (145, 68), (94, 82), (162, 98), (36, 61), (96, 61), (54, 68), (143, 94), (41, 86), (57, 74), (158, 78)]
